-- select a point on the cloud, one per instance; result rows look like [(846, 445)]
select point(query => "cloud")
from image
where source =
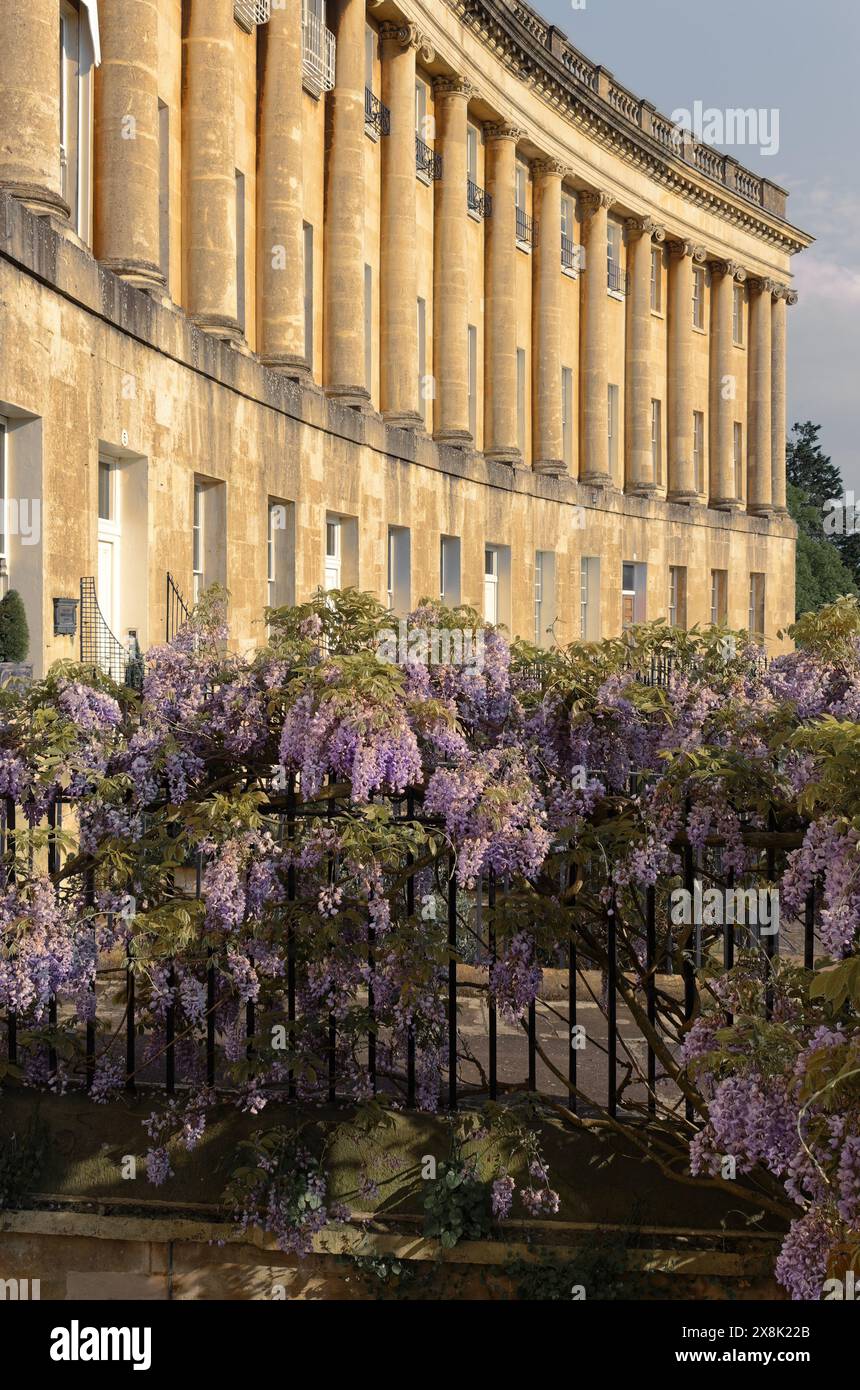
[(829, 280)]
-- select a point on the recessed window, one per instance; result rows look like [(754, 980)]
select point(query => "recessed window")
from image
[(699, 450), (633, 582), (521, 400), (449, 570), (589, 598), (368, 327), (497, 584), (280, 553), (473, 381), (333, 552), (719, 597), (738, 454), (656, 280), (612, 423), (308, 250), (240, 249), (677, 596), (615, 282), (399, 569), (699, 297), (545, 614), (657, 441), (76, 113), (738, 315), (756, 609), (425, 385), (567, 415), (197, 542)]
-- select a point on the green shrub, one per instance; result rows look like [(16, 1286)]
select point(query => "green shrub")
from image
[(14, 633)]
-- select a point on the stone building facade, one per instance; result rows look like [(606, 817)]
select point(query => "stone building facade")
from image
[(405, 295)]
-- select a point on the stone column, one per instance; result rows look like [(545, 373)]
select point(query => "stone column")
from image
[(548, 408), (126, 231), (760, 463), (30, 104), (784, 297), (640, 479), (723, 385), (280, 249), (209, 168), (682, 482), (398, 278), (500, 298), (450, 310), (344, 368), (594, 388)]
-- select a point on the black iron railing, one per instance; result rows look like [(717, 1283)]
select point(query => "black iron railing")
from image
[(571, 254), (480, 203), (617, 279), (100, 649), (177, 611), (427, 162), (376, 114), (526, 229)]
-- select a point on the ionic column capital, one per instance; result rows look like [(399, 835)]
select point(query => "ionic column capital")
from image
[(785, 292), (732, 269), (680, 249), (592, 200), (453, 86), (764, 285), (408, 35), (645, 226), (500, 130), (551, 168)]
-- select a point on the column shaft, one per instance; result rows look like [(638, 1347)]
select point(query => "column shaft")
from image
[(682, 483), (778, 348), (280, 254), (548, 412), (451, 310), (640, 477), (500, 299), (760, 403), (344, 368), (723, 386), (30, 103), (126, 232), (208, 158), (398, 279), (595, 343)]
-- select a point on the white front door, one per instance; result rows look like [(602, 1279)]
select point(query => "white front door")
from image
[(106, 585), (491, 586)]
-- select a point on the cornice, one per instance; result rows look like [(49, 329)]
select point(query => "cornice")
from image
[(540, 57)]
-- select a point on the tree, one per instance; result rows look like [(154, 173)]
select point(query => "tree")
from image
[(14, 633), (817, 478), (821, 576)]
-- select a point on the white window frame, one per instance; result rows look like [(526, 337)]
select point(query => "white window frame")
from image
[(656, 281), (450, 578), (368, 327), (757, 600), (198, 541), (308, 276), (491, 584), (76, 60), (719, 597), (657, 440), (738, 457), (472, 336), (333, 542), (613, 255), (612, 397), (567, 415), (521, 400), (4, 528), (699, 298), (699, 450), (421, 330), (738, 301), (677, 596)]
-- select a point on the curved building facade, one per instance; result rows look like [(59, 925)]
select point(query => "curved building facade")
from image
[(411, 296)]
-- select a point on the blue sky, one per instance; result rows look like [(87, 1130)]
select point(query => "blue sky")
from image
[(801, 60)]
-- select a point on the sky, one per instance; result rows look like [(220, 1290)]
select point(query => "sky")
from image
[(798, 59)]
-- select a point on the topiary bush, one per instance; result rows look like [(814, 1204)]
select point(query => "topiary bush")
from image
[(14, 633)]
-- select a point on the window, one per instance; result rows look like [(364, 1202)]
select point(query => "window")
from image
[(240, 249), (76, 113), (589, 598), (164, 191), (756, 613), (699, 297), (333, 552), (545, 614), (449, 570), (472, 152), (699, 450), (281, 553), (369, 55), (738, 315), (107, 491), (318, 48), (677, 596), (491, 585), (424, 385), (522, 177), (109, 539), (657, 441), (421, 123), (368, 327), (633, 581), (614, 280), (524, 222), (473, 381), (399, 569), (568, 217), (197, 542), (612, 421), (567, 415), (521, 400), (738, 454), (308, 248), (656, 280), (571, 254), (719, 597)]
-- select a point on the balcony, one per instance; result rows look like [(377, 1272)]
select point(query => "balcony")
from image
[(377, 117), (526, 230), (617, 280), (318, 54), (480, 203), (572, 256), (251, 12), (427, 162)]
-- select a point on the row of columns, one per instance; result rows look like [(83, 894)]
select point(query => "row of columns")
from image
[(127, 239)]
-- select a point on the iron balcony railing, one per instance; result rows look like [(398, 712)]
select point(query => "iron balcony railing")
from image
[(427, 162), (376, 114), (251, 12), (526, 228), (572, 254), (100, 649), (617, 279), (177, 611), (480, 203), (318, 51)]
